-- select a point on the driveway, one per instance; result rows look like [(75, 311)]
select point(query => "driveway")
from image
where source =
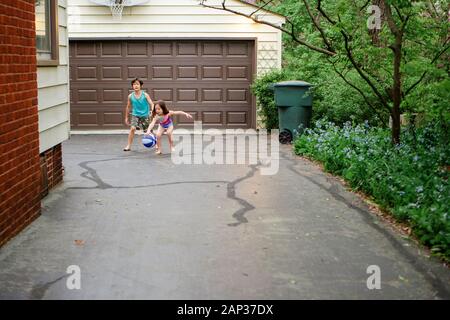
[(139, 226)]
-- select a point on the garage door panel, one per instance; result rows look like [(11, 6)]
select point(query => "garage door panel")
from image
[(238, 72), (113, 95), (88, 119), (208, 78), (86, 73), (162, 49), (87, 96), (113, 118), (162, 94), (137, 72), (212, 117), (212, 49), (110, 49), (212, 72), (137, 49), (187, 49), (212, 95), (237, 95), (237, 117), (85, 49), (183, 121), (187, 72), (187, 95), (240, 49), (162, 73), (111, 73), (90, 108)]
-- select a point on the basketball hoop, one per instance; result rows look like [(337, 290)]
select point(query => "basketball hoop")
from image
[(117, 6)]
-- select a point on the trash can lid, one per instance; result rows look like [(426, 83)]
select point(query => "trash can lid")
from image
[(292, 83)]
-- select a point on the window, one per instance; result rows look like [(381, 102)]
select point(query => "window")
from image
[(46, 32)]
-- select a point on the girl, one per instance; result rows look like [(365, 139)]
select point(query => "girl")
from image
[(164, 116)]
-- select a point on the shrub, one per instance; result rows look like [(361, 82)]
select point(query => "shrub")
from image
[(265, 97), (331, 96)]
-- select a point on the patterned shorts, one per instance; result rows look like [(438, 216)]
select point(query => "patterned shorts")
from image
[(139, 122)]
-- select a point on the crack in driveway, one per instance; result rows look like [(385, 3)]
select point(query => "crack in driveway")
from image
[(239, 215), (246, 206)]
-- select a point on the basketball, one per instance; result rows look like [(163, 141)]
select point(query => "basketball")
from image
[(149, 141)]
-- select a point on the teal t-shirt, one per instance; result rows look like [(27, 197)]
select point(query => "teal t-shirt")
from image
[(140, 107)]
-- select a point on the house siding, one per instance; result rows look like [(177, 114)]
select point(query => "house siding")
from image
[(53, 91), (178, 19)]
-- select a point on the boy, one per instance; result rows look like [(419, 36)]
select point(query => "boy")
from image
[(142, 106)]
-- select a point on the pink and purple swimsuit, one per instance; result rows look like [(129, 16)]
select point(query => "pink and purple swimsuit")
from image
[(165, 121)]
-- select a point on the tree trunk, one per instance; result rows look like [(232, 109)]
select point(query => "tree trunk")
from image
[(397, 76), (395, 130), (397, 89)]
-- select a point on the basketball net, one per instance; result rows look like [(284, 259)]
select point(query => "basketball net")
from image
[(117, 8)]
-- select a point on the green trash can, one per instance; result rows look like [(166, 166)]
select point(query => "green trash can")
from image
[(294, 102)]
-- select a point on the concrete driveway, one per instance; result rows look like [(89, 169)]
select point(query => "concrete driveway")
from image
[(140, 227)]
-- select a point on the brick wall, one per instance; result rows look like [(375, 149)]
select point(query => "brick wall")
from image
[(20, 177), (51, 168)]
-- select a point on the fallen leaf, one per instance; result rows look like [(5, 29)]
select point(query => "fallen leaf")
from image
[(79, 242)]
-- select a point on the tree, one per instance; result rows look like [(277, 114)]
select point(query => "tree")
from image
[(382, 49)]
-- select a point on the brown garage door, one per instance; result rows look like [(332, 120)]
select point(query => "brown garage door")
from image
[(209, 79)]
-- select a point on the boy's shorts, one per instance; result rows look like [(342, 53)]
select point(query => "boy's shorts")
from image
[(139, 122)]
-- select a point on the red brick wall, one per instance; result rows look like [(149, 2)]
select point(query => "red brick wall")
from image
[(20, 178), (51, 168)]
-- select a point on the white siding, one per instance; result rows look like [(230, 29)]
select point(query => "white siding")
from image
[(178, 19), (53, 91)]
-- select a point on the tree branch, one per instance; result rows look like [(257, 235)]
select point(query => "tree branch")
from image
[(361, 73), (425, 72), (398, 13), (323, 12), (390, 20), (365, 5), (262, 7), (317, 25), (360, 92), (291, 32)]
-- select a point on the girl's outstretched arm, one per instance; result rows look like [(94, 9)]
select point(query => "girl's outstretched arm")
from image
[(187, 115), (151, 125)]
